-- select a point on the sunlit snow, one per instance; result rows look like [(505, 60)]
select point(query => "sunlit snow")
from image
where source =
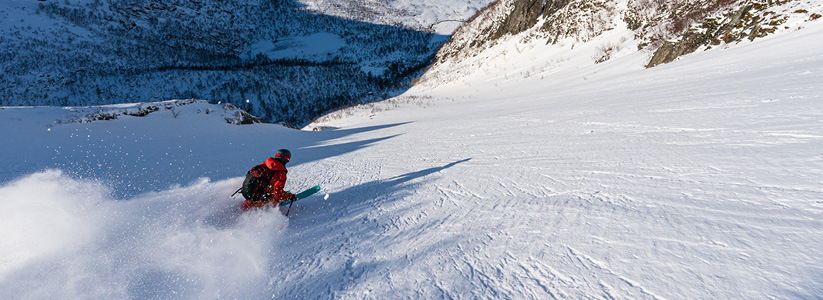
[(699, 179)]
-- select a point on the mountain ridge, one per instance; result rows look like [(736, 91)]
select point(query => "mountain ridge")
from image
[(663, 30)]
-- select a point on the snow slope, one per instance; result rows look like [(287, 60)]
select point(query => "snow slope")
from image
[(699, 179)]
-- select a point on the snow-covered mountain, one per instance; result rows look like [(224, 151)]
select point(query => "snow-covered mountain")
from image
[(292, 61), (581, 33), (530, 172), (267, 57)]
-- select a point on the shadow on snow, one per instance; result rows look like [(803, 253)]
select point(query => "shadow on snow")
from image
[(351, 219)]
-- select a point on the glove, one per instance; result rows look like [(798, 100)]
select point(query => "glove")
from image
[(292, 197)]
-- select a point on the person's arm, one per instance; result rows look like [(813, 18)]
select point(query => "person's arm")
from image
[(278, 183)]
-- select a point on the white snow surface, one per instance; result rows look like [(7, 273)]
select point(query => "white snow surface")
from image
[(699, 179)]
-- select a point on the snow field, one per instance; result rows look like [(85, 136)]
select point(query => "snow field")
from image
[(124, 208), (698, 179)]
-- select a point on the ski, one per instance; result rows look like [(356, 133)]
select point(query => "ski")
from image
[(303, 194)]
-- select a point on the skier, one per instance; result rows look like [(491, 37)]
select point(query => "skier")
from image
[(264, 183)]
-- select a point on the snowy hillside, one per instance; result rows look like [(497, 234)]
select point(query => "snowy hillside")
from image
[(553, 35), (699, 179), (537, 174)]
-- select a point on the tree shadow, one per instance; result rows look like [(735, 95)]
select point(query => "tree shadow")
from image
[(410, 176), (123, 164), (352, 131), (374, 190), (315, 153), (340, 229)]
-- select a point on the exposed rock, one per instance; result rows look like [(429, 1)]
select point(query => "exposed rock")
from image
[(523, 16), (526, 13), (233, 114), (499, 19), (241, 117), (693, 40)]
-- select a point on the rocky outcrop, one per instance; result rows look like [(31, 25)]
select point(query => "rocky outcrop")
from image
[(526, 13), (231, 113), (711, 34), (238, 116), (511, 17)]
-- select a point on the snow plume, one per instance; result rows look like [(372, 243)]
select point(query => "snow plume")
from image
[(43, 215), (69, 237)]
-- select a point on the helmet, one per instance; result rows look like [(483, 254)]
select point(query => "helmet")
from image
[(283, 155)]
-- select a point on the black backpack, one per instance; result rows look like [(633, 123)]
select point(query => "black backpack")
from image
[(256, 183)]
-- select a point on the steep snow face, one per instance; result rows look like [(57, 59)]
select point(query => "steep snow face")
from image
[(696, 179)]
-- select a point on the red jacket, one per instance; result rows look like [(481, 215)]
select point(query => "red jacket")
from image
[(278, 182)]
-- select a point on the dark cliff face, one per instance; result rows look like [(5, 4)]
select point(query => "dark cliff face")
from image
[(523, 16), (526, 13), (499, 19)]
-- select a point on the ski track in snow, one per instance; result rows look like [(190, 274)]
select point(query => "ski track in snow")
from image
[(682, 181), (654, 186)]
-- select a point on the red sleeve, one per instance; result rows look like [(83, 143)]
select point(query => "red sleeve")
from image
[(278, 182)]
